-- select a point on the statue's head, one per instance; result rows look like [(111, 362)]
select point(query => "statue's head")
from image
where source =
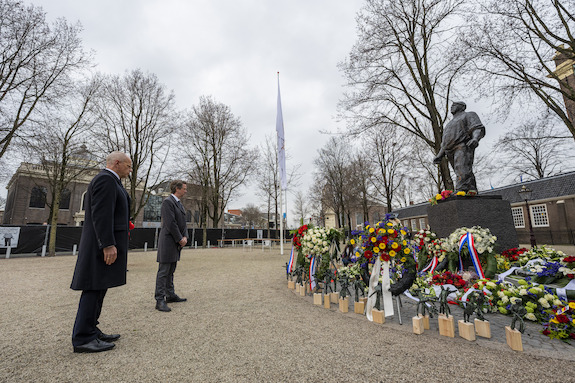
[(458, 106)]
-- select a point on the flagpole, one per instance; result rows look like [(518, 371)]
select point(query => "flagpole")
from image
[(281, 162)]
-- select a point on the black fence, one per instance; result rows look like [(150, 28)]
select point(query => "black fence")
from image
[(32, 238)]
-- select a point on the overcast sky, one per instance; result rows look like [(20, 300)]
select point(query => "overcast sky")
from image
[(231, 50)]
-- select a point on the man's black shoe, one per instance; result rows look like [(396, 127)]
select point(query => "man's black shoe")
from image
[(162, 306), (108, 337), (96, 345), (175, 298)]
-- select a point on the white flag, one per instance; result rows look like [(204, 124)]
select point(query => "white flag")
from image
[(281, 140)]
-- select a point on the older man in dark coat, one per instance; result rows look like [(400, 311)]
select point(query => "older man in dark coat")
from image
[(173, 236), (103, 252)]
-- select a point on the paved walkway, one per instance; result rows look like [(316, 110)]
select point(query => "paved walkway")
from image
[(240, 324)]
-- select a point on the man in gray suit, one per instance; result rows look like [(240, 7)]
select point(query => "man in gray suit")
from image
[(173, 236)]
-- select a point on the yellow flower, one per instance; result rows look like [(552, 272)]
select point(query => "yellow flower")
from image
[(572, 305), (373, 239), (367, 227), (376, 249), (390, 231), (392, 253), (352, 241), (403, 259), (394, 245), (406, 250), (438, 197), (357, 254), (382, 246), (460, 193), (554, 321), (389, 224), (403, 232), (371, 229), (404, 242)]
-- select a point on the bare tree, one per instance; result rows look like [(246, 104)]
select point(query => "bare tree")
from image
[(37, 61), (362, 178), (398, 70), (217, 155), (300, 207), (252, 216), (389, 150), (513, 44), (137, 117), (334, 172), (59, 147), (268, 181), (535, 149)]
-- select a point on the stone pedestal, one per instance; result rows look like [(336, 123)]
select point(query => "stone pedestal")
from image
[(291, 285), (482, 328), (466, 330), (364, 300), (489, 211), (418, 325), (513, 339), (302, 291), (344, 305), (334, 297), (317, 299), (326, 302), (378, 316), (297, 287), (446, 326), (358, 307)]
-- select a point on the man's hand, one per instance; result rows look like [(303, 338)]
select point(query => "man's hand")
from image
[(110, 254), (183, 241), (473, 143)]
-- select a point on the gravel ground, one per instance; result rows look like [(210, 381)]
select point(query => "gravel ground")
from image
[(240, 324)]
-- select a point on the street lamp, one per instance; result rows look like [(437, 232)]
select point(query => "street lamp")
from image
[(525, 194)]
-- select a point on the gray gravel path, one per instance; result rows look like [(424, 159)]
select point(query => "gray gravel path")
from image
[(240, 324)]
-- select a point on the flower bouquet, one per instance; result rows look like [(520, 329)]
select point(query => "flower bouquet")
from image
[(561, 323), (483, 242), (449, 193)]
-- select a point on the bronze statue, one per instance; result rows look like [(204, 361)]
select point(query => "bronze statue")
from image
[(479, 306), (379, 295), (344, 283), (326, 283), (470, 307), (443, 305), (422, 306), (518, 312), (461, 136), (359, 287)]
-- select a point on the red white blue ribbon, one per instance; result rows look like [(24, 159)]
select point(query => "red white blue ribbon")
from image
[(312, 267), (468, 239), (432, 265), (291, 260)]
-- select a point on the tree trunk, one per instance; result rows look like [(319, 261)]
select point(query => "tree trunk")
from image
[(54, 226)]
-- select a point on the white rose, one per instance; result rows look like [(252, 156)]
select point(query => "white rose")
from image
[(543, 302), (531, 317)]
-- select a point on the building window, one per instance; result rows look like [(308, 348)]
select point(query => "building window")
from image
[(38, 197), (422, 225), (518, 219), (406, 223), (539, 215), (413, 224), (65, 199)]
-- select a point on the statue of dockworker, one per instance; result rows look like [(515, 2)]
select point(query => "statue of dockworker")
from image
[(461, 136)]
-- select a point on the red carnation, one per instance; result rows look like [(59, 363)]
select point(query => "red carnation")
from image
[(368, 254), (562, 318), (546, 332), (569, 259)]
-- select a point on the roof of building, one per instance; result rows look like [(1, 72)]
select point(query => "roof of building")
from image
[(543, 188)]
